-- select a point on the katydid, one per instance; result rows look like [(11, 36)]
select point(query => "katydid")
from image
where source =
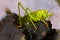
[(33, 16)]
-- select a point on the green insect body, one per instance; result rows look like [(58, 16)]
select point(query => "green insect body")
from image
[(41, 14), (38, 15)]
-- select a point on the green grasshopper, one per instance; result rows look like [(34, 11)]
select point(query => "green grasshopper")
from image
[(33, 16)]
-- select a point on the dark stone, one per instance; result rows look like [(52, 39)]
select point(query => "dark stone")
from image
[(8, 30), (37, 34), (50, 35)]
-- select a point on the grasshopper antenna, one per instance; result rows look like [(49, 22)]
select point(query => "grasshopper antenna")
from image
[(49, 11), (52, 8)]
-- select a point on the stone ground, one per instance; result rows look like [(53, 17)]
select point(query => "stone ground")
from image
[(8, 31)]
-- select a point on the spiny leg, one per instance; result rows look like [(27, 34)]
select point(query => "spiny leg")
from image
[(31, 20), (33, 24), (19, 15), (45, 23), (26, 11), (19, 4)]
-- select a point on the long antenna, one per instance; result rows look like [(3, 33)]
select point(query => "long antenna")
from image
[(52, 7)]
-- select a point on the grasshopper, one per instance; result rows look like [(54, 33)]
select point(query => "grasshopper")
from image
[(33, 16)]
